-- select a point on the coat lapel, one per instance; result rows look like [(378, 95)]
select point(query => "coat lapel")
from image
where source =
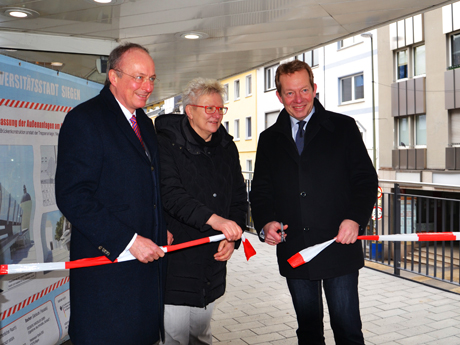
[(122, 122)]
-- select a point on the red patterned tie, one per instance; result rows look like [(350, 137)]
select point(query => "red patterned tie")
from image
[(136, 129)]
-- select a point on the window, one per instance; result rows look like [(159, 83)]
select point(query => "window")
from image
[(226, 125), (454, 127), (248, 85), (237, 89), (419, 60), (352, 88), (420, 130), (402, 58), (237, 130), (248, 128), (403, 132), (270, 118), (350, 41), (270, 77), (311, 57), (249, 165), (455, 48), (225, 93)]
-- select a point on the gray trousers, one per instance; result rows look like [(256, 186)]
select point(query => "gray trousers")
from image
[(188, 325)]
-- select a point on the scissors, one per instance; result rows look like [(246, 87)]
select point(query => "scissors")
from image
[(282, 232)]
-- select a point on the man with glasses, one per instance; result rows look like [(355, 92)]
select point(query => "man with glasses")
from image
[(204, 194), (107, 186)]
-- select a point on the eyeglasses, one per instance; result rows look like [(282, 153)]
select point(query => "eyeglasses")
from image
[(140, 79), (210, 109)]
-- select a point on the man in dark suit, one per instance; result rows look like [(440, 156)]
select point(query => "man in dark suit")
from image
[(107, 186), (314, 175)]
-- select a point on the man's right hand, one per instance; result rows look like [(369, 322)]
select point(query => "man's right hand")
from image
[(145, 250), (272, 236)]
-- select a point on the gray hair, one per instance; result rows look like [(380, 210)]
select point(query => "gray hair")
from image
[(116, 56), (199, 87)]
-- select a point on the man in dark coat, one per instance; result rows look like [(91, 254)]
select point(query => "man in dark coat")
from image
[(107, 186), (322, 188)]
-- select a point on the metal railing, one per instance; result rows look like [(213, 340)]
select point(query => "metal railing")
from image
[(398, 212)]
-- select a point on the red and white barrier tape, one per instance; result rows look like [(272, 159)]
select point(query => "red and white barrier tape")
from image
[(103, 260), (31, 299), (32, 105), (309, 253)]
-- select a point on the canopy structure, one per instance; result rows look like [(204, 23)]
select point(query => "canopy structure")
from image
[(233, 36)]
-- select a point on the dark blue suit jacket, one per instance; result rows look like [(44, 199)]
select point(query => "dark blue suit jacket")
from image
[(108, 188)]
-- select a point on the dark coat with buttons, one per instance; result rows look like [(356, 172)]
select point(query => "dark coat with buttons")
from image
[(197, 181), (108, 188), (313, 193)]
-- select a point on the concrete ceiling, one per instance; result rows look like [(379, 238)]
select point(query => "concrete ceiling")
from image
[(242, 34)]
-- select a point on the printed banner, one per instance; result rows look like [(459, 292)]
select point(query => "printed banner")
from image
[(33, 103)]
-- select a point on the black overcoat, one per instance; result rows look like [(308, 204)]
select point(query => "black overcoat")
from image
[(108, 189), (197, 181), (313, 193)]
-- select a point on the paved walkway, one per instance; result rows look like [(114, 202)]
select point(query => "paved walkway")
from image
[(257, 307)]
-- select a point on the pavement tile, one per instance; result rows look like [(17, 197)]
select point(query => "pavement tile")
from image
[(257, 307)]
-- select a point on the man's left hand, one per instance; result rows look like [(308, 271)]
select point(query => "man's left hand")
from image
[(225, 250), (348, 232)]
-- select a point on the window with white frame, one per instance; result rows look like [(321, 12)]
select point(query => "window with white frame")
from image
[(226, 124), (403, 132), (236, 133), (420, 130), (311, 57), (419, 60), (237, 89), (248, 85), (225, 93), (351, 88), (402, 64), (454, 127), (270, 77), (248, 128), (410, 62), (270, 118), (350, 41), (249, 165)]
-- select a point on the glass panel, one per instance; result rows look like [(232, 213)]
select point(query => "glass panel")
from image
[(419, 60), (359, 87), (402, 64), (420, 130), (248, 85), (454, 127), (455, 50), (308, 59), (403, 132), (315, 57), (346, 89), (248, 127)]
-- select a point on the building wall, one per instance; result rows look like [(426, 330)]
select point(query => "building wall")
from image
[(240, 109)]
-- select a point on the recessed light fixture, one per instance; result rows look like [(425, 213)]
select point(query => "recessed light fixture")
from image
[(192, 35), (106, 2), (19, 12), (56, 64)]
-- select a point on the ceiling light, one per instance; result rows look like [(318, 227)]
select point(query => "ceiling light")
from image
[(106, 2), (56, 64), (19, 12), (192, 35)]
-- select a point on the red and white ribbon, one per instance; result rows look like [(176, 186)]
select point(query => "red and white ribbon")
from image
[(33, 105), (309, 253), (103, 260)]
